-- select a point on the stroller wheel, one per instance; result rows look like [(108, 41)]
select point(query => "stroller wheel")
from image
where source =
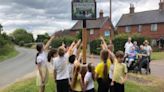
[(149, 71)]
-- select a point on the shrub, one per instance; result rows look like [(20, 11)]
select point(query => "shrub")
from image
[(58, 41), (5, 46), (95, 46)]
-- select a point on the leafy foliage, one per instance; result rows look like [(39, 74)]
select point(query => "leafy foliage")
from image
[(43, 38), (21, 36), (66, 39)]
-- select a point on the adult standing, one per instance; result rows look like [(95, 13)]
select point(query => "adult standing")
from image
[(128, 46), (136, 46), (148, 48), (42, 69)]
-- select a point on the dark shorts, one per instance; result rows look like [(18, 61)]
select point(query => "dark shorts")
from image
[(103, 85), (91, 90), (111, 88), (119, 87), (62, 85)]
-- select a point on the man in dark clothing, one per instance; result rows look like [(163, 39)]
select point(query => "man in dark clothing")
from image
[(143, 59)]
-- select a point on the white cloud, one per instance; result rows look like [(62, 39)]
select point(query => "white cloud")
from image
[(40, 16)]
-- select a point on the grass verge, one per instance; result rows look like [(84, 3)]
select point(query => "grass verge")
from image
[(157, 55), (9, 55), (29, 85)]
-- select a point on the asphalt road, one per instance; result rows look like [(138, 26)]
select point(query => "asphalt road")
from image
[(15, 68)]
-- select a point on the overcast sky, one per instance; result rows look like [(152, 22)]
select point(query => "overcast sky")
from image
[(40, 16)]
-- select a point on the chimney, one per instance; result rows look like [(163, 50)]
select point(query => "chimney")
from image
[(131, 8), (101, 14), (161, 5)]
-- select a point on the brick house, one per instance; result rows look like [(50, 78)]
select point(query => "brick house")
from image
[(102, 26), (148, 23)]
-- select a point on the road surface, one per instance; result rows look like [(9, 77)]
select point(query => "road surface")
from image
[(15, 68), (157, 68)]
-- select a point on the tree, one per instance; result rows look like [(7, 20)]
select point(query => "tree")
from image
[(1, 28), (21, 36), (79, 35), (42, 38)]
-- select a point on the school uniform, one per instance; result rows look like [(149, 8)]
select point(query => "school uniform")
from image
[(103, 85), (42, 60), (62, 73), (78, 87), (111, 70), (120, 71), (88, 77)]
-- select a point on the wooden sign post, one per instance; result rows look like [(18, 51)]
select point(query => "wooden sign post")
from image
[(84, 41), (84, 10)]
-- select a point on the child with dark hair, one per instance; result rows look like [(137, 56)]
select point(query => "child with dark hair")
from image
[(118, 73), (89, 79), (101, 72), (76, 82), (51, 54), (42, 69)]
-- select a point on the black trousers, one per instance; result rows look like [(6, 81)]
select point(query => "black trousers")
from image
[(103, 85), (119, 87), (91, 90), (111, 88), (62, 85)]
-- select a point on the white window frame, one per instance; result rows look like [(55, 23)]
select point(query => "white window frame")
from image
[(139, 28), (91, 31), (128, 29), (154, 27), (105, 33)]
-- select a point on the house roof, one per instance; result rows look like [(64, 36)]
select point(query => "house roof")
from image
[(62, 32), (98, 23), (146, 17)]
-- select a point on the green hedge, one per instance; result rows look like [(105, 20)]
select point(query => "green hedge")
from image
[(6, 46), (118, 41), (66, 39), (95, 46)]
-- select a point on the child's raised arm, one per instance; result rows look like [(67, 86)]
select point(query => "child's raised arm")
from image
[(70, 48), (106, 47), (49, 42)]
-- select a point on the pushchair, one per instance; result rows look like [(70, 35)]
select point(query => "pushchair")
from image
[(142, 63), (130, 62)]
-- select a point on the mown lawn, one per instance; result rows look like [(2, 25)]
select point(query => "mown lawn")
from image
[(157, 56), (131, 86), (9, 55)]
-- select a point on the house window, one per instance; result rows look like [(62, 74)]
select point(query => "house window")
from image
[(107, 33), (91, 32), (139, 28), (77, 32), (153, 27), (127, 29)]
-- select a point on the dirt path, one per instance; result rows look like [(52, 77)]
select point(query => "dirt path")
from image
[(157, 68)]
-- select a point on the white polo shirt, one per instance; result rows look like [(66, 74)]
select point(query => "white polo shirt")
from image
[(128, 47), (60, 65), (42, 59), (88, 77), (148, 49)]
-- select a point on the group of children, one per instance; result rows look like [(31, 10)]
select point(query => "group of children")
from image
[(110, 72)]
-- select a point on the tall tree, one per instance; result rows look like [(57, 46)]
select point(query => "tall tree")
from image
[(22, 36), (42, 38)]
